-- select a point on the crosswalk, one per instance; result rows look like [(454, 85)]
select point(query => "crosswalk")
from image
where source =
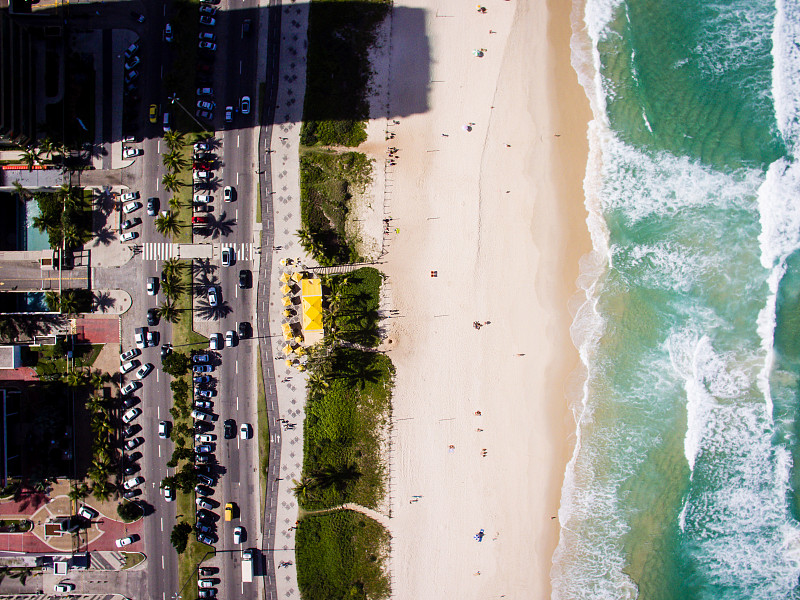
[(165, 250)]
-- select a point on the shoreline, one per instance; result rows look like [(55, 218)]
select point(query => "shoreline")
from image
[(505, 241)]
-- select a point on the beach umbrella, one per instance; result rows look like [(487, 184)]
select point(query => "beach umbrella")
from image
[(289, 362), (286, 301), (287, 330), (286, 289), (300, 351), (297, 276), (287, 349), (288, 313), (283, 262), (285, 278), (301, 368), (299, 339)]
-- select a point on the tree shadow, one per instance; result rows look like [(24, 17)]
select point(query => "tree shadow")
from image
[(103, 301), (203, 267), (104, 237), (212, 313), (217, 227)]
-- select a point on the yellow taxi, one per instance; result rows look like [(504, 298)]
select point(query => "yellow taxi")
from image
[(153, 113)]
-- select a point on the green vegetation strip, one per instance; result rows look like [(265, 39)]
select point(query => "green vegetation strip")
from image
[(340, 34), (263, 428), (353, 304), (132, 559), (327, 183), (341, 555)]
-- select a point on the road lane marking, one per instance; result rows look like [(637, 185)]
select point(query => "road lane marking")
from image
[(158, 412), (237, 402), (240, 67), (157, 379), (237, 178), (162, 526), (237, 366), (236, 215), (237, 140), (162, 560), (159, 451), (156, 184), (158, 147)]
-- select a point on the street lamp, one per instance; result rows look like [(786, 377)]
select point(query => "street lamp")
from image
[(175, 100)]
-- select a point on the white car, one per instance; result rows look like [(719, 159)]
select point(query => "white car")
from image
[(128, 366), (207, 46), (130, 388), (128, 236), (144, 371), (213, 298), (131, 415), (131, 152), (131, 207), (133, 482), (129, 196), (205, 105), (237, 535), (202, 175), (205, 437), (88, 513), (215, 341), (205, 583), (204, 91), (140, 337), (203, 146), (227, 193), (152, 286), (230, 338), (168, 33), (64, 587), (169, 494), (245, 431), (244, 105), (203, 198), (130, 354), (163, 430), (227, 257), (125, 541)]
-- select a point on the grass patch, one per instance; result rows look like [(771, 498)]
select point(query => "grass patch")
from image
[(132, 559), (354, 300), (327, 182), (185, 338), (263, 427), (49, 361), (195, 551), (338, 72), (341, 555), (348, 406)]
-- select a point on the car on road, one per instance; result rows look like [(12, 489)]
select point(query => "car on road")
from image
[(131, 207), (135, 60), (215, 341), (201, 358), (207, 20), (206, 393), (131, 415), (152, 317), (203, 404), (131, 76), (131, 223), (144, 371), (199, 415), (205, 479), (229, 511), (206, 115), (131, 152), (130, 354), (128, 236), (138, 17), (202, 368), (246, 26), (133, 482), (245, 279), (207, 46), (152, 338), (134, 443), (129, 366), (238, 535), (205, 539), (153, 113), (64, 587), (122, 542), (166, 123), (163, 429), (132, 49), (230, 338), (152, 286), (244, 105), (166, 350), (213, 297), (203, 198), (88, 512), (169, 493), (228, 114), (204, 91), (229, 429), (243, 329), (152, 207), (245, 431), (167, 32), (131, 387), (227, 257), (129, 196), (140, 337), (228, 193)]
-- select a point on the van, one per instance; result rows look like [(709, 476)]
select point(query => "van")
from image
[(166, 122)]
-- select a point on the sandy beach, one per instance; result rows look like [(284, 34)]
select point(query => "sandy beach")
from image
[(497, 214)]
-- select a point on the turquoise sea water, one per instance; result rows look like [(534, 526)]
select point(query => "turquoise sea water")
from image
[(685, 482)]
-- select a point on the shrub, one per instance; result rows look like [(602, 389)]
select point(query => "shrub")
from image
[(129, 511), (176, 364), (180, 536)]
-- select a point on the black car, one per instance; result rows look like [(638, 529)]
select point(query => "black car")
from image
[(152, 316), (133, 457), (244, 330), (230, 429), (245, 279), (207, 571), (131, 469), (130, 494), (130, 431), (166, 350)]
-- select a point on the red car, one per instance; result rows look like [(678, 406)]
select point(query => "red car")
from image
[(199, 220), (201, 166)]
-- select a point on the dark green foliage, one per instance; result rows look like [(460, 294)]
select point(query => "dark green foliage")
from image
[(353, 303), (348, 405), (341, 555), (178, 455), (176, 364), (180, 536), (65, 215), (338, 71), (129, 511)]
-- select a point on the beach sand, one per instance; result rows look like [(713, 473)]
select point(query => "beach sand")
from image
[(497, 213)]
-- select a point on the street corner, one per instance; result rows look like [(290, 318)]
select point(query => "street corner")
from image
[(111, 302), (106, 532)]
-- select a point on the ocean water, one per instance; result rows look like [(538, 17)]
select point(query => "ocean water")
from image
[(685, 481)]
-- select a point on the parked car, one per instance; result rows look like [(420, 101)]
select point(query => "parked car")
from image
[(131, 223), (244, 105), (152, 207), (208, 10), (129, 366), (144, 371), (64, 587), (215, 341), (245, 431), (130, 431), (132, 49), (201, 537), (131, 207), (134, 443), (230, 338), (132, 62), (201, 379), (205, 438), (130, 494), (140, 336), (202, 459), (166, 122), (88, 513), (207, 36), (169, 493), (163, 429), (205, 115), (131, 76), (203, 404), (133, 482), (213, 298), (131, 387), (167, 32), (204, 91), (128, 402), (130, 354), (206, 105), (202, 175), (203, 198), (227, 257), (229, 429), (202, 145), (199, 415), (130, 469), (206, 393), (207, 571), (129, 196), (126, 541), (131, 415), (202, 368), (245, 279), (131, 152), (166, 350), (152, 317), (128, 236), (201, 358), (243, 329), (207, 46), (152, 338), (206, 20), (228, 193), (205, 479)]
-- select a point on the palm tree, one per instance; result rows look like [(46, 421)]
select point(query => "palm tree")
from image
[(53, 301), (173, 160), (173, 139), (172, 287), (74, 378), (23, 192), (170, 182), (169, 312), (103, 490), (72, 236), (303, 487), (98, 378), (175, 203), (69, 303), (47, 147), (30, 157), (305, 237), (337, 477), (168, 224), (172, 266)]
